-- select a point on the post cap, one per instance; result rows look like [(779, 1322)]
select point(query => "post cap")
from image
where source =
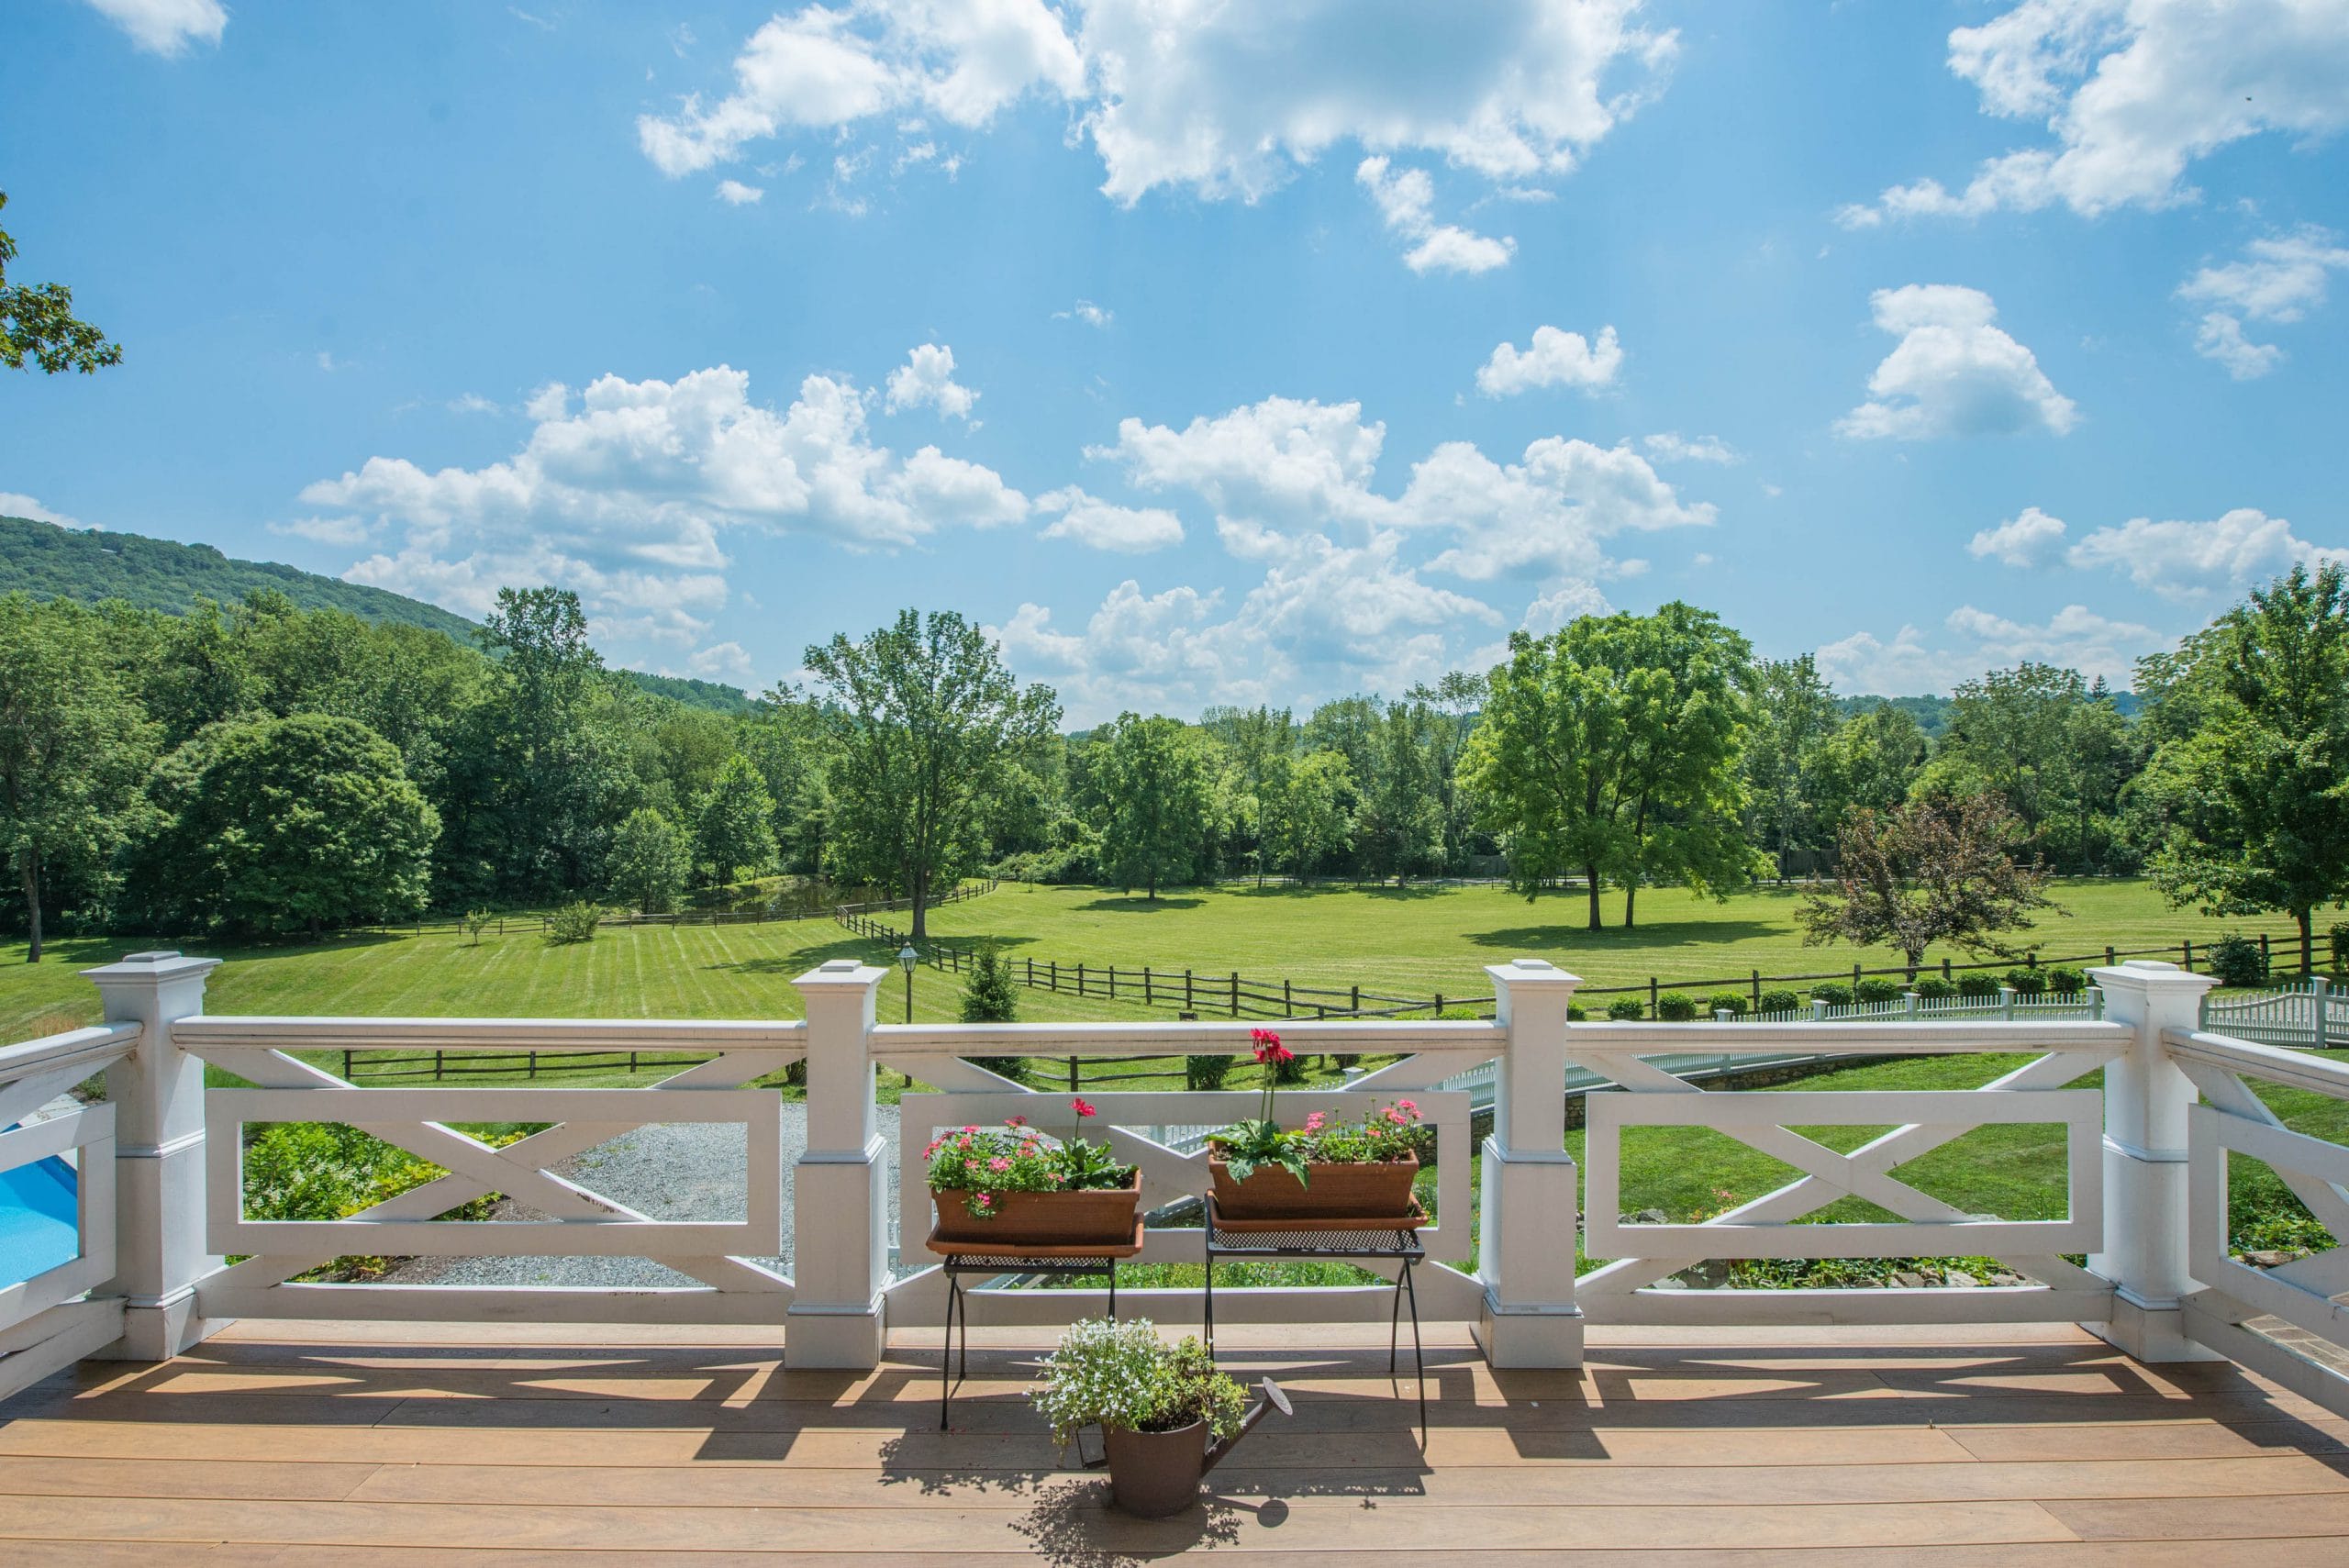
[(159, 964), (2150, 974), (1532, 973), (838, 965)]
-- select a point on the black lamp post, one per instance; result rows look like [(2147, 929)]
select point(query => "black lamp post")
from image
[(906, 959)]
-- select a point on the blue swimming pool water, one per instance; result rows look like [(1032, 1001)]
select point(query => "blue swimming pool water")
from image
[(37, 1219)]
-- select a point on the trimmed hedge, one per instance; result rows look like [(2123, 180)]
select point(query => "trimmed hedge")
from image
[(1978, 985), (1781, 1001), (1933, 988), (1877, 992), (1675, 1007), (2066, 982), (1730, 1002), (1626, 1009), (2027, 982), (2236, 960), (1834, 993)]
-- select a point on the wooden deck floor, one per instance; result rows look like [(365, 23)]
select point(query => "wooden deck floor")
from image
[(283, 1444)]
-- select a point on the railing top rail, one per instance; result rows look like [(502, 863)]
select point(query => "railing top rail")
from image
[(93, 1047), (1851, 1037), (2274, 1064), (273, 1033), (1206, 1038)]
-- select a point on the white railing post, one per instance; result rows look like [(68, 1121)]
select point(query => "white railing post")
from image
[(1531, 1194), (2145, 1101), (158, 1094), (839, 1259)]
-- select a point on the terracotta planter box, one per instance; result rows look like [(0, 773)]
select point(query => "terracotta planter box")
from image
[(1377, 1191), (1100, 1216)]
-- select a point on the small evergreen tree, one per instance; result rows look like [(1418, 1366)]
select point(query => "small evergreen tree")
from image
[(992, 996)]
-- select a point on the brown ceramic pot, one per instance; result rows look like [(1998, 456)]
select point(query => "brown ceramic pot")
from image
[(1375, 1191), (1096, 1216)]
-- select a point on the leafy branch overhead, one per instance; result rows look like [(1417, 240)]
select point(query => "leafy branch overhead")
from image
[(36, 321)]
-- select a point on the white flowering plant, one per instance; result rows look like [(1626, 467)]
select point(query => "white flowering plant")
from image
[(1123, 1376)]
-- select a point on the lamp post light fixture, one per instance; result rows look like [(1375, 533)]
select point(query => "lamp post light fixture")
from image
[(906, 959)]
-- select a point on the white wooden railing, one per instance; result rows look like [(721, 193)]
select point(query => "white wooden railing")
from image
[(51, 1318), (2157, 1280), (2237, 1305), (2314, 1014)]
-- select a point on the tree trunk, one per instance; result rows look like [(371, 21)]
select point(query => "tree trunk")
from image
[(1591, 874), (28, 861), (1631, 894), (918, 887)]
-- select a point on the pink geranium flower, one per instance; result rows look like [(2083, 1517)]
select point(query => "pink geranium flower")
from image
[(998, 1163)]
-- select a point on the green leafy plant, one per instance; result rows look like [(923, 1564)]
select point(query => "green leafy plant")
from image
[(1781, 1001), (2339, 936), (1834, 993), (1875, 990), (1626, 1009), (475, 922), (1730, 1002), (1249, 1145), (2236, 960), (2066, 982), (1577, 1014), (575, 922), (1977, 986), (2027, 982), (987, 1162), (1120, 1375), (1201, 1073), (1675, 1007), (1933, 988)]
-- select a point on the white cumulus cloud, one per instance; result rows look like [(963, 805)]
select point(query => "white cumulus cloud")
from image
[(1954, 372), (927, 377), (733, 193), (1104, 525), (1405, 200), (2279, 278), (2133, 92), (1553, 359), (624, 489), (1671, 445), (14, 504), (165, 26), (1978, 641), (2188, 559), (2021, 540)]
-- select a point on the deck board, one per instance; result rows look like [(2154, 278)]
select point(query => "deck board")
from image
[(2038, 1446)]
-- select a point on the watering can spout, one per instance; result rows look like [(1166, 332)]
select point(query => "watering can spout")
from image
[(1273, 1399)]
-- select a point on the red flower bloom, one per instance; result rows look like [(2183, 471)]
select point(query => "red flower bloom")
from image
[(1269, 1047), (1082, 1108), (1015, 1121)]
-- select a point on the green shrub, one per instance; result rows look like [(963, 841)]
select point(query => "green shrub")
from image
[(2339, 934), (1730, 1002), (991, 994), (795, 1074), (1291, 1071), (1343, 1060), (1577, 1014), (1781, 1001), (2027, 982), (1834, 993), (1626, 1009), (1976, 984), (1205, 1071), (1012, 1067), (1674, 1007), (1877, 992), (2066, 982), (2236, 960), (1933, 988), (575, 922)]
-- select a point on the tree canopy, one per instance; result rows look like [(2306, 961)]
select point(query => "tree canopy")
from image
[(36, 321)]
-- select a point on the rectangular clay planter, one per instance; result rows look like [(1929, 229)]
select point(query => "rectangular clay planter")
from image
[(1331, 1192), (1100, 1216)]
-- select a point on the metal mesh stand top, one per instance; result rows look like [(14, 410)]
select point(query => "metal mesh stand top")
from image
[(1311, 1243)]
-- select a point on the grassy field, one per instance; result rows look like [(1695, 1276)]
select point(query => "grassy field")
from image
[(1418, 941), (1411, 941)]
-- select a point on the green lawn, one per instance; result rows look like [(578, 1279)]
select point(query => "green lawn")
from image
[(1418, 941)]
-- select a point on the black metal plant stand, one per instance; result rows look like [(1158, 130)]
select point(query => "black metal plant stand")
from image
[(1373, 1241), (1002, 1261)]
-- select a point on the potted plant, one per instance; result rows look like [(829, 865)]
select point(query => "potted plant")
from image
[(1325, 1170), (1160, 1408), (1018, 1185)]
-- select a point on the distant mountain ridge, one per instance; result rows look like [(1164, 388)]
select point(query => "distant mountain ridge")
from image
[(52, 562)]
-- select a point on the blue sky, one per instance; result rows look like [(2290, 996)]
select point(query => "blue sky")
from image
[(1209, 352)]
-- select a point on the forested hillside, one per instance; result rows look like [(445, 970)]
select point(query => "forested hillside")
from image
[(93, 565)]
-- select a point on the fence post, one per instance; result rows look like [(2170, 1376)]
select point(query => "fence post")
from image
[(1189, 1005), (2145, 1101), (1946, 973), (1146, 998), (1757, 990), (2323, 990), (1235, 993), (2006, 1003), (840, 1187), (159, 1218), (1651, 995), (1525, 1255)]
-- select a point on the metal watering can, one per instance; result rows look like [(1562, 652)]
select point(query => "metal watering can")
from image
[(1152, 1475)]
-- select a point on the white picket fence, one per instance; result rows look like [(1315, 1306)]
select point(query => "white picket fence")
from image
[(2313, 1014), (149, 1277)]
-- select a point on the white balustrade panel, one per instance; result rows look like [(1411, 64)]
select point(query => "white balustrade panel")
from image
[(970, 1095), (1775, 1224), (2304, 1293), (48, 1320), (579, 1222)]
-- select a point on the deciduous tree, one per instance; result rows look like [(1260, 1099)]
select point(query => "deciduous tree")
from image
[(734, 826), (651, 858), (36, 320), (1942, 869), (1154, 779), (922, 715)]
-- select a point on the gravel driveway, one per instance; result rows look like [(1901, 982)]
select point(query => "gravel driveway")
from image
[(685, 1170)]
